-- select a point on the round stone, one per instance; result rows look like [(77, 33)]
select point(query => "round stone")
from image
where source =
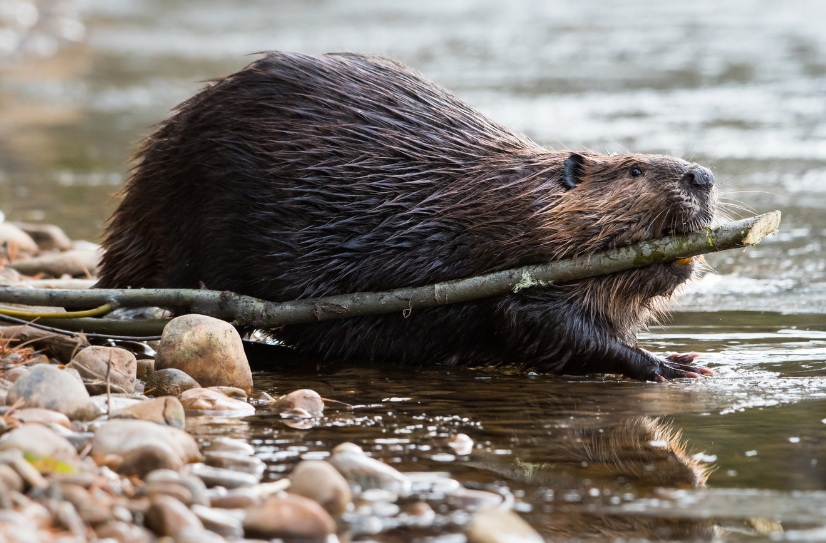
[(169, 382), (207, 349), (50, 388), (319, 481)]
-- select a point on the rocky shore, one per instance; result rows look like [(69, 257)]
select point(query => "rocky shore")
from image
[(95, 445)]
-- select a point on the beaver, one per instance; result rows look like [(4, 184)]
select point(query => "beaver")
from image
[(304, 176)]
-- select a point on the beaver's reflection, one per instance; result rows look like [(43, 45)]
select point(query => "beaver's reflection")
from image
[(638, 451), (588, 470), (643, 450)]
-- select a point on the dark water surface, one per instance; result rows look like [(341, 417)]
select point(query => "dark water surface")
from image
[(738, 86), (595, 459)]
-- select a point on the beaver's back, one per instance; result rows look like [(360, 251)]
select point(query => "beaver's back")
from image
[(305, 176)]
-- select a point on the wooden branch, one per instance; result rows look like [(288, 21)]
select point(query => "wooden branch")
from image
[(248, 311)]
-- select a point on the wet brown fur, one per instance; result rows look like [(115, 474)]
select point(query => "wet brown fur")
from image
[(305, 176)]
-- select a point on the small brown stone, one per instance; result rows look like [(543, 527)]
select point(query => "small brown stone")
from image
[(365, 472), (93, 507), (200, 494), (193, 484), (10, 479), (120, 436), (474, 500), (48, 237), (495, 525), (14, 520), (165, 475), (144, 459), (228, 444), (421, 510), (167, 410), (76, 263), (235, 461), (290, 516), (232, 392), (169, 382), (12, 374), (195, 535), (462, 444), (123, 532), (169, 488), (168, 516), (306, 399), (42, 416), (238, 498), (226, 478), (319, 481), (6, 497), (37, 514), (263, 398), (14, 459), (112, 404), (55, 345), (146, 366), (208, 400), (208, 349), (9, 276), (92, 363), (67, 517), (17, 240), (218, 521)]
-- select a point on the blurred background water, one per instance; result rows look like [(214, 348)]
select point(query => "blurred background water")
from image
[(738, 86)]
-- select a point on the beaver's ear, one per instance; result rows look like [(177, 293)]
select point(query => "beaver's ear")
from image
[(572, 171)]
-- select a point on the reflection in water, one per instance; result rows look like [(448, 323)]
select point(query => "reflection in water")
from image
[(577, 456), (643, 451), (591, 459)]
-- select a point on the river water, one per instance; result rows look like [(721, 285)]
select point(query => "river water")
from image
[(737, 86)]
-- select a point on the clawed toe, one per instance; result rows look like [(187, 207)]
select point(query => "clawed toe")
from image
[(682, 365), (683, 358), (640, 364)]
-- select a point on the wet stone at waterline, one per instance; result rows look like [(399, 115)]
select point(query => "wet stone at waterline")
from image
[(211, 401), (207, 349)]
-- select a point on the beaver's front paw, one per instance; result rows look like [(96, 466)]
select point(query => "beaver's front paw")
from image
[(680, 365), (646, 367)]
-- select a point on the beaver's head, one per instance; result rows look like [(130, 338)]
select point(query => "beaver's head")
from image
[(609, 201)]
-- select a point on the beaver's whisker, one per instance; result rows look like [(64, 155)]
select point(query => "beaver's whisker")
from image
[(754, 191), (723, 199)]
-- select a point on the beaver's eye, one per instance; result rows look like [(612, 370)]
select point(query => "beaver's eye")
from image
[(636, 172)]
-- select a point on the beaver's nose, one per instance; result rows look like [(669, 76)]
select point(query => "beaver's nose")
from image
[(699, 177)]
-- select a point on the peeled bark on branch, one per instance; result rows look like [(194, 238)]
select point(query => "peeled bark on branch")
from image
[(248, 311)]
